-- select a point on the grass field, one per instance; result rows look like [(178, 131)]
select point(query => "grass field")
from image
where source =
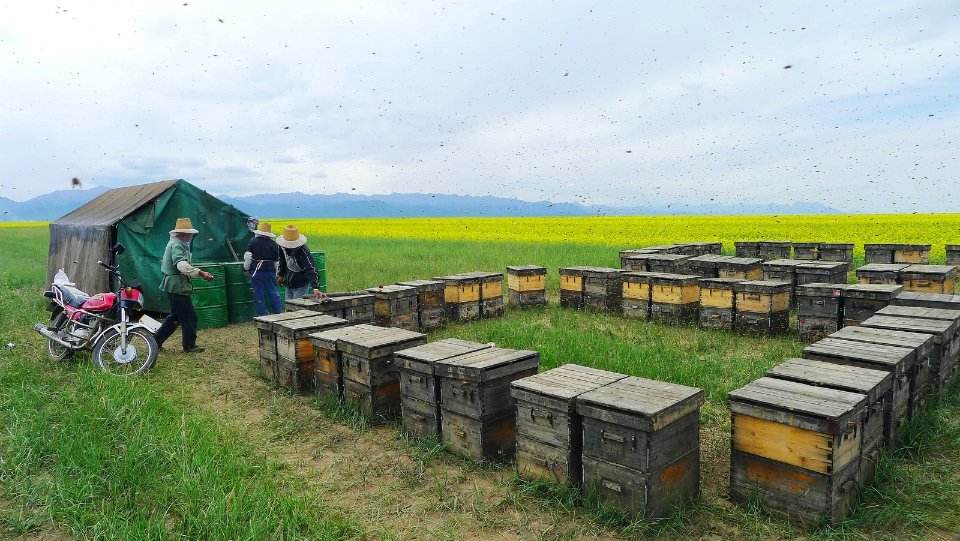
[(202, 448)]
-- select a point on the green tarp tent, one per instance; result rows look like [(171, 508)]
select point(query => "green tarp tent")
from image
[(141, 218)]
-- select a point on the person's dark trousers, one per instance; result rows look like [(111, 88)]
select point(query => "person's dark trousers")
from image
[(265, 293), (182, 314)]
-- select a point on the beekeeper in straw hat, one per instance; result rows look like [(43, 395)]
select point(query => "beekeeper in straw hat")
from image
[(262, 260), (178, 273), (297, 270)]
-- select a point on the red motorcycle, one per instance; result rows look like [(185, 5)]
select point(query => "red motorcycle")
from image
[(106, 323)]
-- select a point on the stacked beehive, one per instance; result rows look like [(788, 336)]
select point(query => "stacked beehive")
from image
[(355, 307), (762, 306), (526, 285), (784, 270), (824, 251), (743, 268), (674, 298), (765, 249), (549, 429), (637, 287), (669, 263), (630, 258), (897, 253), (491, 293), (371, 375), (294, 365), (598, 288), (797, 447), (880, 273), (431, 313), (706, 266), (823, 272), (940, 279), (860, 301), (477, 412), (267, 338), (939, 323), (461, 297), (819, 309), (395, 306), (328, 359), (806, 250), (641, 444), (420, 384), (953, 254), (717, 303)]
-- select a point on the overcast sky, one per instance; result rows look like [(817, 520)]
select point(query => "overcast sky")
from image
[(852, 104)]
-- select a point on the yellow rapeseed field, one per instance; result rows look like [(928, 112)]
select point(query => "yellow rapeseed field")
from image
[(638, 231)]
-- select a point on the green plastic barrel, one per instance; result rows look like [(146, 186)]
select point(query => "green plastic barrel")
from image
[(210, 298), (239, 293), (320, 262)]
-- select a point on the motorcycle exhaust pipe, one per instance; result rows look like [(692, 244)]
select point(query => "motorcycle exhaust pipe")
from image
[(47, 333)]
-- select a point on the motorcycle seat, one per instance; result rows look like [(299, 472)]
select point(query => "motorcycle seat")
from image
[(72, 296), (100, 302)]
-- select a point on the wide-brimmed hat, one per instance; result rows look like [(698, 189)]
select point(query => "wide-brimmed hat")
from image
[(291, 237), (264, 230), (184, 225)]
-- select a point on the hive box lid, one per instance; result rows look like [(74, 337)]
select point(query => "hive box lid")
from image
[(784, 263), (819, 289), (815, 266), (422, 358), (636, 251), (642, 276), (380, 341), (719, 283), (894, 358), (930, 300), (392, 291), (304, 303), (336, 300), (861, 291), (267, 321), (888, 337), (939, 328), (487, 364), (763, 286), (421, 283), (640, 403), (676, 279), (837, 245), (526, 269), (601, 271), (855, 379), (669, 257), (882, 267), (920, 312), (329, 339), (783, 243), (738, 262), (558, 387), (305, 325), (709, 258), (810, 407), (458, 278), (933, 270), (898, 246), (483, 275)]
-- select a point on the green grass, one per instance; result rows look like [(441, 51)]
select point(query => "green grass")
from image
[(108, 459)]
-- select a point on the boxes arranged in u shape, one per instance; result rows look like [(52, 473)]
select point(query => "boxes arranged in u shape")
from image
[(431, 313), (596, 288), (295, 357), (641, 444), (797, 447), (549, 430), (526, 285), (762, 306), (420, 383), (477, 412), (363, 357)]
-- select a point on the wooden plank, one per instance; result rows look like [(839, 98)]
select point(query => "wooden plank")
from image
[(873, 383), (783, 443), (830, 404)]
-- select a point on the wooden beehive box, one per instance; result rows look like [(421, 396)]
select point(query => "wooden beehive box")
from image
[(749, 249), (876, 385), (878, 253), (743, 268), (571, 287), (880, 273), (949, 355), (822, 272), (295, 359), (637, 289), (666, 248), (953, 254), (328, 364), (703, 248), (860, 301), (641, 444), (526, 285), (819, 309), (549, 429), (899, 361), (929, 279), (267, 338), (707, 266), (478, 415), (717, 303), (602, 288), (669, 263), (293, 305), (763, 306), (806, 250), (395, 306), (836, 251), (430, 308), (924, 349), (420, 385), (491, 292), (461, 297), (914, 254), (796, 447), (927, 300), (627, 255), (942, 363), (675, 298), (371, 374), (637, 262), (773, 249), (783, 270), (357, 308)]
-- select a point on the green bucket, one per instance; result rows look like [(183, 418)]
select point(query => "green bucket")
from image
[(320, 262), (239, 293), (210, 298)]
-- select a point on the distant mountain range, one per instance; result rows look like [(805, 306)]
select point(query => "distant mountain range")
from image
[(299, 205)]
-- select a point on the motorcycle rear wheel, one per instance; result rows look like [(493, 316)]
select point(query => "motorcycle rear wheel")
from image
[(141, 353), (56, 351)]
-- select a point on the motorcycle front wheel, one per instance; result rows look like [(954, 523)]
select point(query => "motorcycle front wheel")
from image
[(138, 358)]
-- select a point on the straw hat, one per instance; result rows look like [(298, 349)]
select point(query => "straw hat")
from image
[(184, 225), (291, 237), (264, 230)]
